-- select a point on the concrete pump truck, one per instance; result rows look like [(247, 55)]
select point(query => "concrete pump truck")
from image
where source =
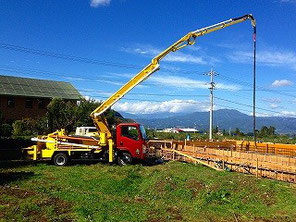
[(129, 141)]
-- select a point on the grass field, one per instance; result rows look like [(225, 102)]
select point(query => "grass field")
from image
[(169, 192)]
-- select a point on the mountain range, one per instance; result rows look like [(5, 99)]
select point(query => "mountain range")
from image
[(227, 119)]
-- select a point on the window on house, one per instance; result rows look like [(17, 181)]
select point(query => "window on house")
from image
[(41, 104), (29, 103), (10, 102)]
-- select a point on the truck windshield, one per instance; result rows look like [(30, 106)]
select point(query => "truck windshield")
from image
[(143, 132)]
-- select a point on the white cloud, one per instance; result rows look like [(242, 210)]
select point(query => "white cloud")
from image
[(172, 106), (111, 82), (74, 78), (173, 57), (286, 113), (274, 105), (282, 82), (97, 3), (283, 113), (272, 100), (183, 82), (288, 1), (267, 57)]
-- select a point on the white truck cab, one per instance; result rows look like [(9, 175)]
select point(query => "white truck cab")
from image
[(87, 131)]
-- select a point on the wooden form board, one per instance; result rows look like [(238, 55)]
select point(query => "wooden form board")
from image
[(260, 164)]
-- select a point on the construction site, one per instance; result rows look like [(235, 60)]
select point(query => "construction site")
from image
[(69, 152)]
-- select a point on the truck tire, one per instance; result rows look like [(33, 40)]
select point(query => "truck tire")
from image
[(124, 159), (60, 159)]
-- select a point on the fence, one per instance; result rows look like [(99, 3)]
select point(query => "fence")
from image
[(263, 162)]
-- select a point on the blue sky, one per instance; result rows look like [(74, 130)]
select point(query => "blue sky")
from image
[(116, 38)]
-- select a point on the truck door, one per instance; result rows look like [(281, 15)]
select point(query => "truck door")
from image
[(129, 139)]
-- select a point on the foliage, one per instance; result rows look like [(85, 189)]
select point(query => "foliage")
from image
[(5, 130), (61, 114), (69, 115), (24, 127), (237, 132), (170, 192), (265, 131), (29, 127), (84, 109), (271, 136), (1, 117)]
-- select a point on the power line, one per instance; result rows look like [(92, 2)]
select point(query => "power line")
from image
[(193, 102), (67, 76), (121, 65), (71, 77), (182, 102), (146, 94), (258, 88), (243, 104), (80, 59)]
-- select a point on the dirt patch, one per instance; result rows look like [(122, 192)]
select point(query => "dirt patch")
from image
[(195, 186), (175, 213), (154, 216), (268, 198), (16, 192), (60, 206), (156, 220), (165, 185), (139, 199)]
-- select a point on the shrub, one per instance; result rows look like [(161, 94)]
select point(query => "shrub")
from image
[(24, 127), (5, 130)]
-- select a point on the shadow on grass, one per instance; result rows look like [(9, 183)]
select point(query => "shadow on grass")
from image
[(153, 161), (10, 164), (7, 177)]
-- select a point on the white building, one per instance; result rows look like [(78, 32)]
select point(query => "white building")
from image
[(178, 130)]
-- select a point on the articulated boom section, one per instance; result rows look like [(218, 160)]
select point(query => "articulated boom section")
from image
[(188, 39)]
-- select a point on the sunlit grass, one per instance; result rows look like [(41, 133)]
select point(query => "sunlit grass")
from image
[(172, 191)]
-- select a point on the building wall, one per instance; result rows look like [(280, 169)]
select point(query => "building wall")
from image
[(19, 111)]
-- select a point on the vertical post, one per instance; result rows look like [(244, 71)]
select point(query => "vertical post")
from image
[(173, 148), (254, 87), (256, 166), (110, 150), (35, 152), (212, 86)]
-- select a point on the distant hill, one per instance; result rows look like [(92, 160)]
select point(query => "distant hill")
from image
[(159, 115), (224, 118)]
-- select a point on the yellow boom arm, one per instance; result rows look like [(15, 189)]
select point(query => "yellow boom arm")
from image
[(189, 39)]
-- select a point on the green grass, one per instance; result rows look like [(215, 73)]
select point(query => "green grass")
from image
[(170, 192)]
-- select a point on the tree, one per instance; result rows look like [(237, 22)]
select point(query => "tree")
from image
[(84, 109), (216, 129), (68, 115), (5, 130), (237, 132), (265, 131), (24, 127)]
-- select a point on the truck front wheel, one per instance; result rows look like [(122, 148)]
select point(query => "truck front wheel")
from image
[(124, 159), (60, 159)]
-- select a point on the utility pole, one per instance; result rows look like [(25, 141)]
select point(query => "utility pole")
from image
[(212, 73)]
